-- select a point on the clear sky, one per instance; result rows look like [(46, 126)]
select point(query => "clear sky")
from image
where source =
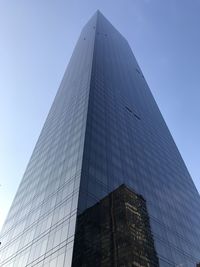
[(37, 40)]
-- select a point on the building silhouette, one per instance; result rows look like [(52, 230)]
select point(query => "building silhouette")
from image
[(104, 129), (115, 232)]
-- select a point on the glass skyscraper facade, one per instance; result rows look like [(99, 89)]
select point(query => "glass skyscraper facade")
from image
[(104, 129)]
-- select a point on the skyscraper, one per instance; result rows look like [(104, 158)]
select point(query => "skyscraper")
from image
[(115, 232), (104, 129)]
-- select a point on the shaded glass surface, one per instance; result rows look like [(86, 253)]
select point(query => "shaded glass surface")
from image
[(127, 141), (104, 129)]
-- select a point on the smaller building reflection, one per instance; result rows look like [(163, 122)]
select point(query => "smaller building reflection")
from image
[(115, 232)]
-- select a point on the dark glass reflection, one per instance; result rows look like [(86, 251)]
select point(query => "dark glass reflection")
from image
[(115, 232)]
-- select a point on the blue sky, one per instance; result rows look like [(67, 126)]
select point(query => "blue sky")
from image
[(37, 40)]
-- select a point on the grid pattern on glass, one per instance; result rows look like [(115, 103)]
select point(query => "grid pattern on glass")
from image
[(39, 229), (127, 141), (104, 129)]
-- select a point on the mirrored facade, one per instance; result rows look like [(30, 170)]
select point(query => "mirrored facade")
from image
[(115, 232), (104, 129), (39, 229)]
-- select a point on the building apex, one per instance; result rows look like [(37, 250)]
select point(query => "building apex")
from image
[(98, 12)]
